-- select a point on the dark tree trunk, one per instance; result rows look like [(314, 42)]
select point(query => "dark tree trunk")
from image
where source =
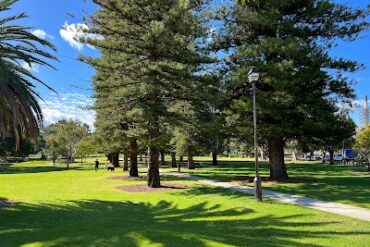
[(311, 155), (115, 159), (276, 156), (173, 160), (181, 158), (214, 158), (154, 179), (153, 168), (110, 158), (125, 161), (179, 167), (190, 159), (331, 153), (163, 162), (134, 171)]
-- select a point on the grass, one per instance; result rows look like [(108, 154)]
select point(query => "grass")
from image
[(78, 207), (338, 183)]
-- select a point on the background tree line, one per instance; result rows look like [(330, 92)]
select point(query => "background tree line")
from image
[(171, 78)]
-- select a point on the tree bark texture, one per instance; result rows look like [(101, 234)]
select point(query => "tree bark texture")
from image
[(134, 171), (125, 161), (276, 155), (154, 180), (190, 158), (163, 162), (115, 159), (214, 158), (173, 160)]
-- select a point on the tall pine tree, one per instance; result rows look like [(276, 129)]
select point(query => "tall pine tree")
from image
[(151, 55), (301, 82)]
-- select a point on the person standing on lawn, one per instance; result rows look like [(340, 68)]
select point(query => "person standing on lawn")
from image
[(96, 165)]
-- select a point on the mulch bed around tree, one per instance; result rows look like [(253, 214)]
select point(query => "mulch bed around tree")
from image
[(268, 180), (145, 188), (4, 203), (126, 178)]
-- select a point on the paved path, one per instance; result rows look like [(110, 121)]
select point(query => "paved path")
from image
[(331, 207)]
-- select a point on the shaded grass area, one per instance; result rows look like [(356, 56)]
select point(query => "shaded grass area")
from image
[(339, 183), (79, 207)]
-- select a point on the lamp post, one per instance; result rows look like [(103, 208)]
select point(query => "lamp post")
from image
[(253, 77)]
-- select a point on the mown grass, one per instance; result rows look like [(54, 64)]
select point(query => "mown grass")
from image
[(78, 207), (338, 183)]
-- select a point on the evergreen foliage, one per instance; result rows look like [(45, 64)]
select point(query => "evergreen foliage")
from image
[(152, 56), (301, 83)]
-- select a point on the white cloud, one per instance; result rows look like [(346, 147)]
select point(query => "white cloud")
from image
[(73, 33), (68, 106), (32, 68), (42, 34)]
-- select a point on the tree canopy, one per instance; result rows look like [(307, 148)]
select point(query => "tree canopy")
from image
[(301, 83)]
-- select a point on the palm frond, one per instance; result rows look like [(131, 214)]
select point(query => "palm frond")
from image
[(20, 113)]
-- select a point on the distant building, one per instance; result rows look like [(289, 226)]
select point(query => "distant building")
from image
[(365, 113)]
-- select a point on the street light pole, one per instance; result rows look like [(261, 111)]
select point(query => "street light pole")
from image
[(253, 77)]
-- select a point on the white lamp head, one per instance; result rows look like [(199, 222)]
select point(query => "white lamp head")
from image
[(253, 75)]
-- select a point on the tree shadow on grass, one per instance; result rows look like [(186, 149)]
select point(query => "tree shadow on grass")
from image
[(107, 223), (36, 169), (347, 189)]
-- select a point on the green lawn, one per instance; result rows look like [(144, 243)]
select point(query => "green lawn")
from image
[(339, 183), (78, 207)]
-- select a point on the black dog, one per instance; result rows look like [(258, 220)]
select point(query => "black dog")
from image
[(110, 169)]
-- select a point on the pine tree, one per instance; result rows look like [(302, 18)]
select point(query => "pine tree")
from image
[(301, 82), (151, 56)]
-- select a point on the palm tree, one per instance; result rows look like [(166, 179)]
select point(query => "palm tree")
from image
[(20, 113)]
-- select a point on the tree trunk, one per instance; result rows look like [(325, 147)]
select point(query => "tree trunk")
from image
[(331, 153), (162, 158), (181, 158), (173, 160), (125, 162), (190, 159), (214, 158), (276, 157), (134, 171), (115, 159), (154, 179), (311, 155)]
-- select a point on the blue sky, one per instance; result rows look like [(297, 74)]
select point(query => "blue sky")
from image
[(47, 18)]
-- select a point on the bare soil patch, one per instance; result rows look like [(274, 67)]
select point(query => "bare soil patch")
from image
[(145, 188), (283, 181), (4, 203)]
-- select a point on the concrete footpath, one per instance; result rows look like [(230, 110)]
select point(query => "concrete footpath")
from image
[(331, 207)]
